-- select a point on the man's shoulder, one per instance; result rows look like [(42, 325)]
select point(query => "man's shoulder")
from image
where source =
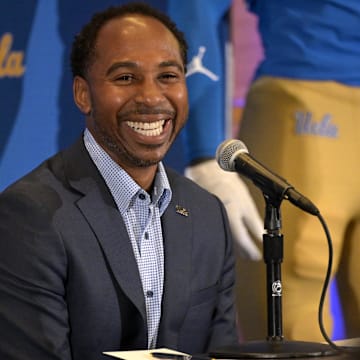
[(34, 187), (49, 171)]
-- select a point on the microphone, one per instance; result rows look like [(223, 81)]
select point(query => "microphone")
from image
[(233, 155)]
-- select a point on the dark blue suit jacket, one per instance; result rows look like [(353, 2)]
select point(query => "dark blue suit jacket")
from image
[(69, 282)]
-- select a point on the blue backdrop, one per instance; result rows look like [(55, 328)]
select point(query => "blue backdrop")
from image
[(38, 116)]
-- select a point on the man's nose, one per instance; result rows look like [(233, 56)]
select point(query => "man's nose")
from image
[(149, 92)]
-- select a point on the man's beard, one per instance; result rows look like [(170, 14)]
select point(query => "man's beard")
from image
[(122, 152)]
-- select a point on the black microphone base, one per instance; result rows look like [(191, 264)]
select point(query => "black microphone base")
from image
[(280, 349)]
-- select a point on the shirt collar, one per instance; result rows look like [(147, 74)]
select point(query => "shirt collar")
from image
[(121, 185)]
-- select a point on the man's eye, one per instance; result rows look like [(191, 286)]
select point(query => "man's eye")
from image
[(169, 76), (124, 78)]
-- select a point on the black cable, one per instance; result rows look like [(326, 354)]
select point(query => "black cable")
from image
[(346, 349)]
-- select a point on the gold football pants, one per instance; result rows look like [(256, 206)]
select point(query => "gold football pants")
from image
[(309, 133)]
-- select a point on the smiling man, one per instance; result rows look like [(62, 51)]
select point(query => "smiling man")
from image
[(134, 97), (102, 247)]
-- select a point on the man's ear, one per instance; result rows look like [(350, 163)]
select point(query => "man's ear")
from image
[(81, 95)]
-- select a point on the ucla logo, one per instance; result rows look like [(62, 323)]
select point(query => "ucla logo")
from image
[(11, 62), (305, 125)]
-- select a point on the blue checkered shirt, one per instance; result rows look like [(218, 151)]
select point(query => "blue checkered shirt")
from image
[(141, 213)]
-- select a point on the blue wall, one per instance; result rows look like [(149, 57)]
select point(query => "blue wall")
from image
[(37, 112)]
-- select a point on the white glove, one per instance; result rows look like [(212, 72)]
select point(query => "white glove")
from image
[(240, 207)]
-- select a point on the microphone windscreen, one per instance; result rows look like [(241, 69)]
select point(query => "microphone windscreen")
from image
[(227, 151)]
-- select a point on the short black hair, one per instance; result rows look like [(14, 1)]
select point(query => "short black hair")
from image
[(83, 47)]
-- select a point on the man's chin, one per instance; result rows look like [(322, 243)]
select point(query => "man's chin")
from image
[(144, 161), (147, 163)]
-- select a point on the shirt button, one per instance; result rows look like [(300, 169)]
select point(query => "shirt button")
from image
[(146, 235), (141, 196), (149, 294)]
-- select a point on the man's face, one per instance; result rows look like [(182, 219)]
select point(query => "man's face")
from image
[(135, 90)]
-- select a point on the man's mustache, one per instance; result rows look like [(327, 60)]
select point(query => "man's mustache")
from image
[(144, 110)]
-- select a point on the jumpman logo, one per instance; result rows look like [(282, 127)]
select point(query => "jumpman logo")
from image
[(196, 66)]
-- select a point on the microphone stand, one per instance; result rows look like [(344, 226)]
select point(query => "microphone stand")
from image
[(273, 257), (275, 345)]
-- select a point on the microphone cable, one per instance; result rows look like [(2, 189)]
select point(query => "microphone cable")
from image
[(344, 349)]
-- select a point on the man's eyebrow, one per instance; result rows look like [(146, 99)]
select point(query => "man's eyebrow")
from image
[(121, 64), (171, 63), (133, 65)]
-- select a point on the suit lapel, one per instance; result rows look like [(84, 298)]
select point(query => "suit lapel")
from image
[(177, 225), (111, 233), (104, 218)]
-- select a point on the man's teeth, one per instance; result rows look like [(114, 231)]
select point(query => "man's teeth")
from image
[(147, 128)]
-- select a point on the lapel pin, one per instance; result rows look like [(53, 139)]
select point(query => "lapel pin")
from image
[(182, 211)]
